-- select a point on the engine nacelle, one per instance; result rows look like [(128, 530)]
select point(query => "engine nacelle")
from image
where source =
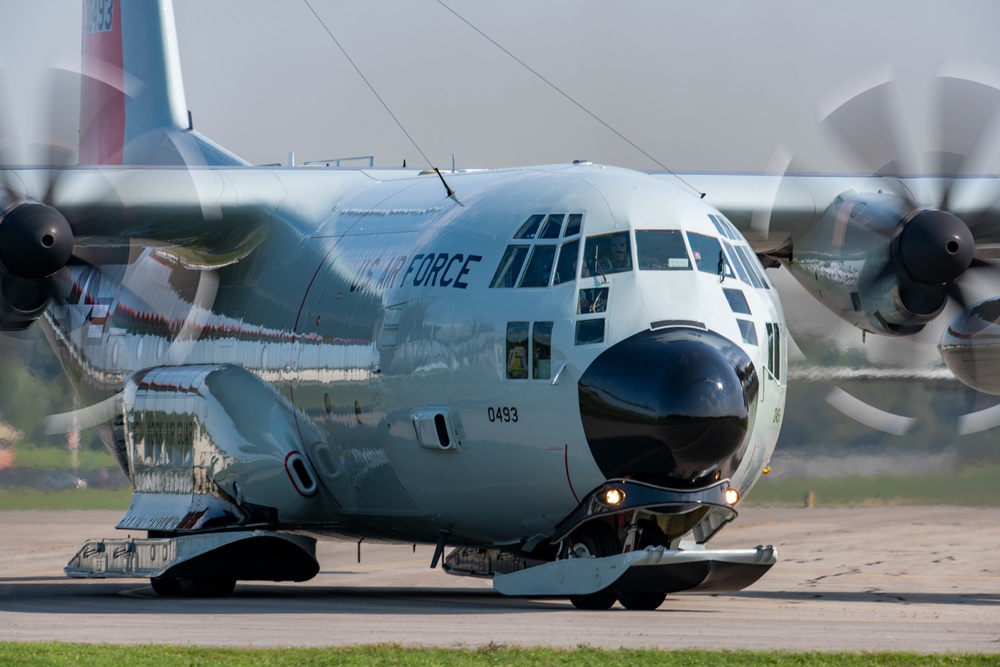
[(881, 264), (970, 346)]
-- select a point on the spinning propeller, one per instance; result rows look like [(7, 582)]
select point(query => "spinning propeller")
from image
[(929, 236), (37, 240)]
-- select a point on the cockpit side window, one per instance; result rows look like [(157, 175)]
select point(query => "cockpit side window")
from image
[(566, 266), (661, 250), (510, 266), (607, 254), (573, 224), (539, 266), (530, 228), (531, 255), (552, 226), (707, 253)]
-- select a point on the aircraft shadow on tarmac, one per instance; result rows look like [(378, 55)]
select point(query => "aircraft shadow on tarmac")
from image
[(45, 595), (876, 596)]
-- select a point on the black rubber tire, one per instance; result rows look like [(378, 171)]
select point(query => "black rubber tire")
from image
[(166, 587), (642, 601), (594, 601), (652, 536), (595, 540), (207, 588)]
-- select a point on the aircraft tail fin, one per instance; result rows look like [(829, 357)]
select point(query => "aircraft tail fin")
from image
[(132, 105)]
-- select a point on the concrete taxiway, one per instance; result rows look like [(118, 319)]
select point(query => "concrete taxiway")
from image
[(923, 579)]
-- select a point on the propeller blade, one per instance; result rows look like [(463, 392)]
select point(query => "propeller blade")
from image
[(968, 112), (865, 119)]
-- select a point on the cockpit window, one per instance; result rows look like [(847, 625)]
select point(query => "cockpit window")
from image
[(737, 263), (552, 226), (530, 227), (592, 300), (724, 227), (566, 266), (510, 266), (753, 266), (707, 253), (661, 250), (534, 251), (573, 224), (610, 253), (539, 266)]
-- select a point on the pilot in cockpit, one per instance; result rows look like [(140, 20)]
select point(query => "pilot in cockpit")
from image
[(607, 254)]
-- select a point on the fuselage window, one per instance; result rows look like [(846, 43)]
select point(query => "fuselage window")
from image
[(553, 224), (566, 266), (607, 254), (510, 266), (530, 227), (748, 331), (589, 332), (707, 253), (593, 300), (661, 250), (737, 301), (573, 224), (539, 266), (541, 350), (517, 350)]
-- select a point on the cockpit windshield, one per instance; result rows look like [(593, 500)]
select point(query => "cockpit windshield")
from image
[(661, 250)]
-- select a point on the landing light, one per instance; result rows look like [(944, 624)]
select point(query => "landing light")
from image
[(732, 496), (614, 497)]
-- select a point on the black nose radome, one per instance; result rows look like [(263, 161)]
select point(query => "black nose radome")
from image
[(667, 406)]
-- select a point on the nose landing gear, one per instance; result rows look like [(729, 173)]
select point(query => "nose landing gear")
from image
[(596, 539)]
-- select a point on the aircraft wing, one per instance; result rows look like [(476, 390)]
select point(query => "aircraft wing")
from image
[(773, 210)]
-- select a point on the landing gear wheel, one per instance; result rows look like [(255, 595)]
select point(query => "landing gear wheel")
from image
[(167, 587), (594, 540), (207, 588), (642, 601), (652, 536)]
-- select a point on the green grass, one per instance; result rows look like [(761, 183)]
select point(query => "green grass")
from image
[(971, 487), (103, 655), (22, 498), (53, 458)]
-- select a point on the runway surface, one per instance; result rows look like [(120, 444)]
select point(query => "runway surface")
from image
[(923, 579)]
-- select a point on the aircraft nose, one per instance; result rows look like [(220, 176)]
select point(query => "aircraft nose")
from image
[(667, 406)]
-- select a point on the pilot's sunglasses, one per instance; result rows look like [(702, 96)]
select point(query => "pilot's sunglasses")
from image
[(620, 242)]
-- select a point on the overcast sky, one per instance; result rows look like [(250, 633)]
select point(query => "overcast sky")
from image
[(698, 85), (708, 85)]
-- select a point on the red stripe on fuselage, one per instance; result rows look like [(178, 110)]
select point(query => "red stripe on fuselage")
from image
[(102, 97)]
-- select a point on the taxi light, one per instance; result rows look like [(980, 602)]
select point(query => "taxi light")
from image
[(732, 496), (614, 497)]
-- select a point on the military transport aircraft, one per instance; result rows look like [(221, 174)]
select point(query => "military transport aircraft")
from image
[(569, 375)]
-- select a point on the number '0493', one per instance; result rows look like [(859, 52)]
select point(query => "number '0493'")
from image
[(506, 414)]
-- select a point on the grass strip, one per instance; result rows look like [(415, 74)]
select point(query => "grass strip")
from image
[(24, 498), (28, 456), (57, 653), (973, 487)]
